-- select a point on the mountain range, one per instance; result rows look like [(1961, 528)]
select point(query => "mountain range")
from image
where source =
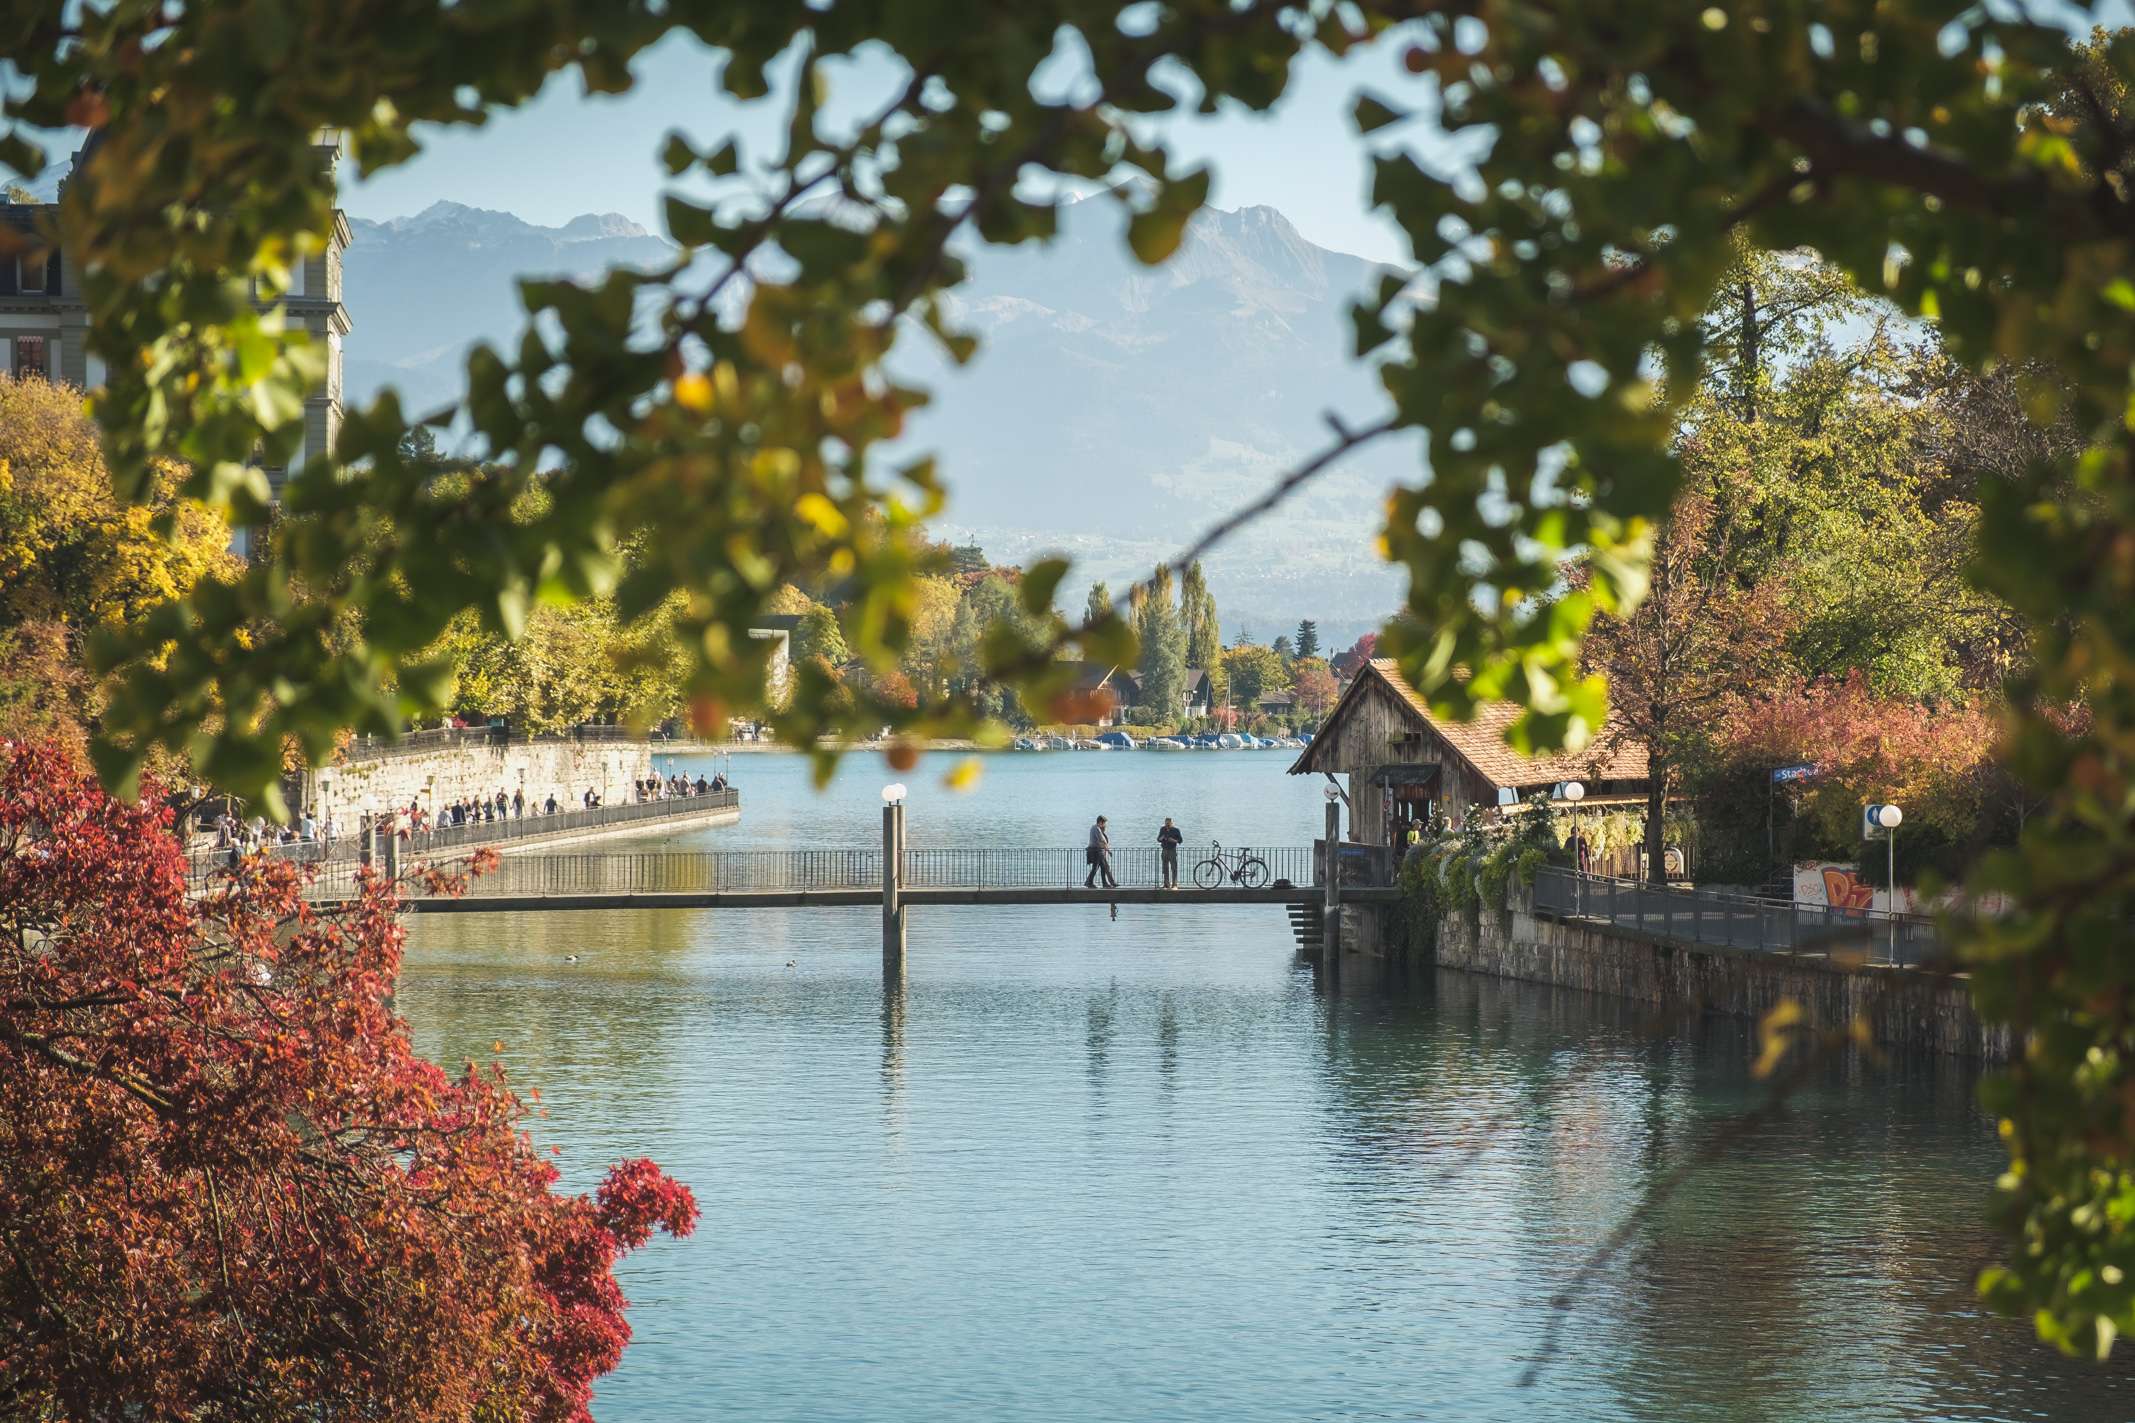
[(1113, 412)]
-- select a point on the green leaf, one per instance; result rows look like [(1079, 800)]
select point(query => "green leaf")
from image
[(118, 767), (1373, 113), (690, 224), (676, 155), (1040, 582)]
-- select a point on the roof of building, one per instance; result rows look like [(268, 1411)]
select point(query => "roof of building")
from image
[(1091, 675), (1480, 741), (1278, 698)]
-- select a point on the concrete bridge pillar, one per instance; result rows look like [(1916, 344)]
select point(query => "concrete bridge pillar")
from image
[(892, 888), (1331, 895)]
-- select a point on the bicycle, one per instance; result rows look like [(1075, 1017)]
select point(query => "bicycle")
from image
[(1246, 868)]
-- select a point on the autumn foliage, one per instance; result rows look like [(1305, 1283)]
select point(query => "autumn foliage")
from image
[(229, 1188), (1936, 761)]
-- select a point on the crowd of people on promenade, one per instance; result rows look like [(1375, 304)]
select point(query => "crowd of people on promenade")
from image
[(677, 786), (246, 836)]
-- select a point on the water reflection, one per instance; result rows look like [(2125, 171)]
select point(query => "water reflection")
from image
[(1281, 1203), (893, 1055)]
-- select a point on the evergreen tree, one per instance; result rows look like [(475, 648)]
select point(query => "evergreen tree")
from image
[(968, 558), (1308, 638), (1283, 649)]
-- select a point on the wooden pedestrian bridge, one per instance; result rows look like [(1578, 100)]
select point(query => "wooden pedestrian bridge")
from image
[(895, 878)]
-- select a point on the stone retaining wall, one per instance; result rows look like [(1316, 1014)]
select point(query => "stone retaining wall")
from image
[(1910, 1008), (433, 778)]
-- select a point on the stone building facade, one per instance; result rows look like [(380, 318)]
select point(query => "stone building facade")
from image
[(44, 320)]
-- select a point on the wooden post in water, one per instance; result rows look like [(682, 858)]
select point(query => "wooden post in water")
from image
[(892, 904), (1331, 894)]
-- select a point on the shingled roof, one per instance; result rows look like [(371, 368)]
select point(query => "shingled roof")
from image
[(1481, 741)]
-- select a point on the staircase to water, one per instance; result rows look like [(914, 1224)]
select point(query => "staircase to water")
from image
[(1308, 922)]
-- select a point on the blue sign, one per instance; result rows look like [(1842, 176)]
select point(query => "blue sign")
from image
[(1794, 773)]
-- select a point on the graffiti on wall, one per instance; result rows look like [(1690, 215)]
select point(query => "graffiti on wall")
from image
[(1842, 887)]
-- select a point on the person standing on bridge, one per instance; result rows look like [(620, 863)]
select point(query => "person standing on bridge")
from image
[(1100, 856), (1167, 840)]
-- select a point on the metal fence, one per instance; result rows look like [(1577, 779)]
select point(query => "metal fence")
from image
[(733, 871), (1737, 921), (449, 840)]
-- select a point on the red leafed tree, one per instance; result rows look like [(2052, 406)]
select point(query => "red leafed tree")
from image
[(1936, 761), (229, 1188), (1345, 664), (894, 689), (1314, 686)]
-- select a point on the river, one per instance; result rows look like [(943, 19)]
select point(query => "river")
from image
[(1143, 1168)]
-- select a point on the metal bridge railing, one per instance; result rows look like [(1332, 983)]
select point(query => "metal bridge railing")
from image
[(1737, 921), (1137, 866), (736, 871)]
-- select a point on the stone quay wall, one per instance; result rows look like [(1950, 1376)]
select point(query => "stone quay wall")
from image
[(1904, 1007), (439, 776)]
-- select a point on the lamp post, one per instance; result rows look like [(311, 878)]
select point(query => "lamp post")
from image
[(1888, 818), (1574, 792)]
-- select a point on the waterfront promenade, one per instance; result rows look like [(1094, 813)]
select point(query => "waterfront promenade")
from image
[(342, 854)]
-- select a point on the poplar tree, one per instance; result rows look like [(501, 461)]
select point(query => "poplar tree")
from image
[(1204, 634), (1163, 639)]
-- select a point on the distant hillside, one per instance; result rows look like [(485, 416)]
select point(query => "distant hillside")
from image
[(1113, 410)]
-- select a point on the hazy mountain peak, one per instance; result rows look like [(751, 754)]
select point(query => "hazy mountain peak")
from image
[(446, 214), (591, 225)]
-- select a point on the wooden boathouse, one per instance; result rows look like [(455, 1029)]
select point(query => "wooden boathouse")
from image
[(1404, 762)]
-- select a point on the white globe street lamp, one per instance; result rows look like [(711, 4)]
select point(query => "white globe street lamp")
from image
[(1574, 792), (1888, 818), (893, 794)]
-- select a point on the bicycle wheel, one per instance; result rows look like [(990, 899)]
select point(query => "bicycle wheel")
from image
[(1252, 872), (1208, 874)]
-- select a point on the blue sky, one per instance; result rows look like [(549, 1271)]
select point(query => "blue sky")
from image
[(568, 153)]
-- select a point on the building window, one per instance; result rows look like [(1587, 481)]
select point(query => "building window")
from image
[(30, 357), (33, 268)]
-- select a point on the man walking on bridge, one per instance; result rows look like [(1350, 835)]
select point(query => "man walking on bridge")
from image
[(1168, 839), (1099, 856)]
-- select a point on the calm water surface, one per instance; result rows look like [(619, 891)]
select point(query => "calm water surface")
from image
[(1079, 1168)]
